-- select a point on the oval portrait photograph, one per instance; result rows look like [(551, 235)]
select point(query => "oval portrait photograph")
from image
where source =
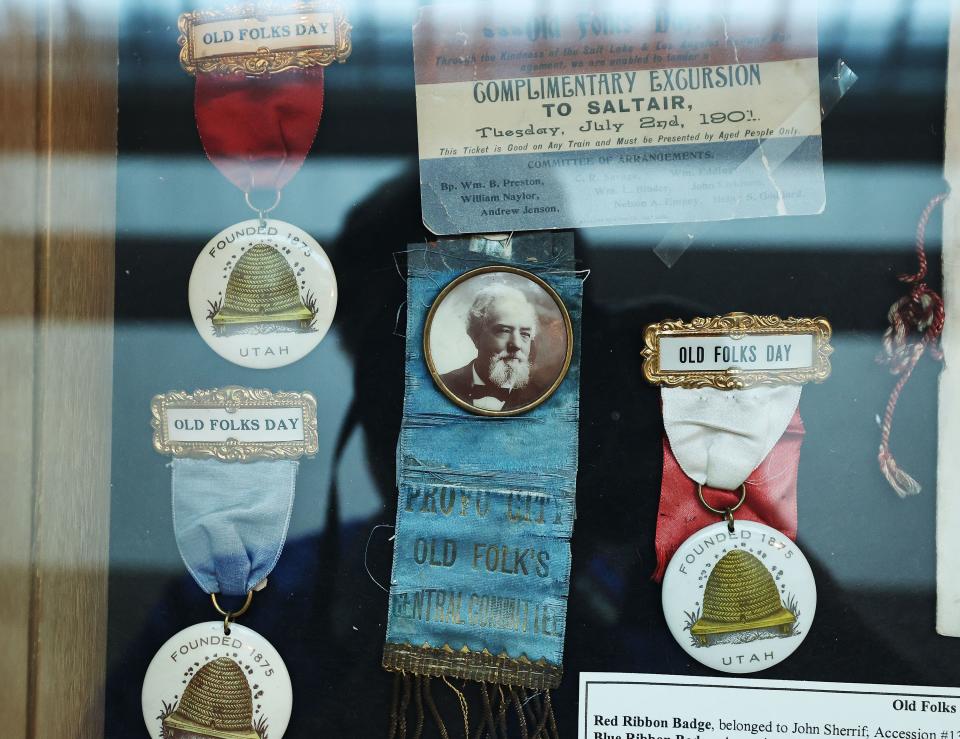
[(498, 341)]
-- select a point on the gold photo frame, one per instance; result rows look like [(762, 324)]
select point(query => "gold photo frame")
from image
[(263, 60), (231, 400), (466, 277), (737, 326)]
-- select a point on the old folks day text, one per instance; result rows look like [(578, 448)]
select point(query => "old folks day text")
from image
[(266, 32)]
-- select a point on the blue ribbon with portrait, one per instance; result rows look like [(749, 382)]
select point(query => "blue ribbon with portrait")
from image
[(486, 506)]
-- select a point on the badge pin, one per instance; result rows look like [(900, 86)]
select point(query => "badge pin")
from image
[(739, 596), (207, 683), (263, 294)]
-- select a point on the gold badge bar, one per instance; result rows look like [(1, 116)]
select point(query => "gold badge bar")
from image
[(235, 424), (737, 350), (263, 38)]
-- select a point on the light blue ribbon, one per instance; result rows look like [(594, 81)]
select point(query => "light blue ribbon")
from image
[(500, 490), (231, 519)]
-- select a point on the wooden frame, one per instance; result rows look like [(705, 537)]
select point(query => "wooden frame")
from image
[(58, 179)]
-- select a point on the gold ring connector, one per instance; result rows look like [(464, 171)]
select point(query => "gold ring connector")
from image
[(229, 616), (723, 511)]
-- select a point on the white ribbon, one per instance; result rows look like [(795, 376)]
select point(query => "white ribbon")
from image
[(720, 436)]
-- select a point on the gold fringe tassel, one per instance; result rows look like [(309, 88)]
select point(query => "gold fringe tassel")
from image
[(519, 713)]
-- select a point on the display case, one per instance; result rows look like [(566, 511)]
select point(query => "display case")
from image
[(339, 299)]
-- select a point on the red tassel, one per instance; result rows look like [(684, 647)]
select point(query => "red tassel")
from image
[(921, 313)]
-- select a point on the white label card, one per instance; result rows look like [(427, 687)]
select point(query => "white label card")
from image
[(244, 424), (535, 115), (707, 353), (265, 37), (638, 706), (277, 32)]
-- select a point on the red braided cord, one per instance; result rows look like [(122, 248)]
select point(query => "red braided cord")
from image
[(920, 312), (922, 237)]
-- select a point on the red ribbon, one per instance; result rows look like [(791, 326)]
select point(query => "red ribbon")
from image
[(258, 130), (771, 496)]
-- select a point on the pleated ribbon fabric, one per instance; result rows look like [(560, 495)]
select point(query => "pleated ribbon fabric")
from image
[(258, 130), (230, 520), (722, 439)]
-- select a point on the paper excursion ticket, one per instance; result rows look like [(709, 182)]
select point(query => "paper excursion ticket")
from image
[(616, 114)]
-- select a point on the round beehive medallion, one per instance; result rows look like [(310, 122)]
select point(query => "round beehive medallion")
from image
[(207, 684), (741, 601), (262, 294), (262, 288)]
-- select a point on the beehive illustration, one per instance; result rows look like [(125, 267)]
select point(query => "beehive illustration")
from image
[(216, 704), (741, 596), (262, 289)]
